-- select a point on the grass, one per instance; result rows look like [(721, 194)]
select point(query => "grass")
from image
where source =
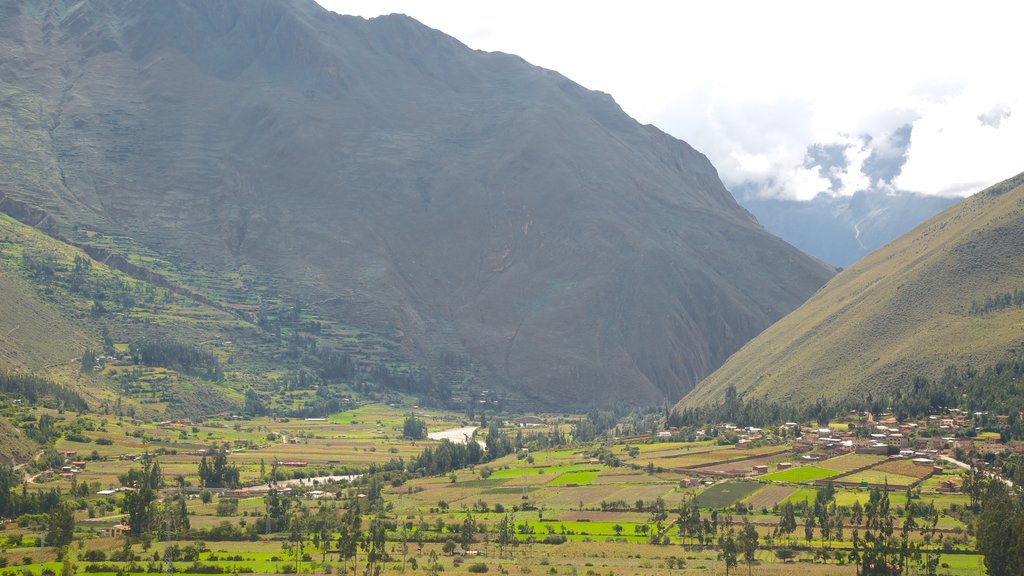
[(800, 474), (800, 495), (584, 478)]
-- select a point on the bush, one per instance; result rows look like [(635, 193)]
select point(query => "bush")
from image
[(95, 556), (478, 568), (227, 507)]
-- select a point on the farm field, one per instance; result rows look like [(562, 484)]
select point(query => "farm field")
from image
[(726, 494), (701, 458), (769, 496), (564, 496), (851, 461), (740, 465), (800, 474), (581, 478), (879, 478), (904, 468)]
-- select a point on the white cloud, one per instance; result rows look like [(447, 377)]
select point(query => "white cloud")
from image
[(754, 84)]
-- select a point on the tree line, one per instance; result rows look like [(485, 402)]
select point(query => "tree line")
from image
[(181, 356), (34, 388)]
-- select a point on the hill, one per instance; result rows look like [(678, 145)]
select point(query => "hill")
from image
[(460, 215), (949, 293)]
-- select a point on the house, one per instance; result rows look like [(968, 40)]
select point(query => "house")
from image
[(79, 465), (526, 421), (118, 530), (801, 446), (760, 469), (923, 461), (690, 483), (877, 448), (898, 440), (784, 465)]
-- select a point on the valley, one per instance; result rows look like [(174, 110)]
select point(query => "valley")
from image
[(284, 291), (657, 502)]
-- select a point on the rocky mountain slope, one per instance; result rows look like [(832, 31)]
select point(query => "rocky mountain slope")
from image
[(451, 203), (949, 293)]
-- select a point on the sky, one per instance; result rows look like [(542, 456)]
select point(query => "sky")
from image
[(788, 99)]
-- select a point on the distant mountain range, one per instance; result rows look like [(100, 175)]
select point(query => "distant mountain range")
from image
[(948, 294), (843, 229), (420, 206)]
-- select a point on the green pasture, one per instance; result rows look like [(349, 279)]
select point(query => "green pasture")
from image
[(800, 474)]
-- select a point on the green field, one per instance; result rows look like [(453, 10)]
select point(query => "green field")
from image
[(801, 474), (880, 478), (726, 494), (802, 495), (583, 478)]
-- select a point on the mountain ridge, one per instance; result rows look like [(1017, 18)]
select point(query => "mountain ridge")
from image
[(451, 201), (908, 310)]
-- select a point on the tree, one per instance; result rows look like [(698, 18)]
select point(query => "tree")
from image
[(809, 521), (414, 428), (139, 503), (467, 532), (507, 532), (747, 543), (999, 530), (219, 474), (974, 486), (69, 561), (324, 522), (297, 537), (88, 361), (728, 549), (878, 551), (787, 520), (348, 534), (61, 526)]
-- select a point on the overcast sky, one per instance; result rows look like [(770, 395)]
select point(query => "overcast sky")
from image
[(787, 98)]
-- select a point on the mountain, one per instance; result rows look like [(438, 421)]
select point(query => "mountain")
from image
[(420, 206), (843, 229), (949, 293)]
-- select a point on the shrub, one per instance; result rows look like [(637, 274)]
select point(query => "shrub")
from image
[(478, 568), (95, 556)]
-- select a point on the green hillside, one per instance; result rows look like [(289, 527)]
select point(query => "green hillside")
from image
[(946, 294), (160, 347)]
